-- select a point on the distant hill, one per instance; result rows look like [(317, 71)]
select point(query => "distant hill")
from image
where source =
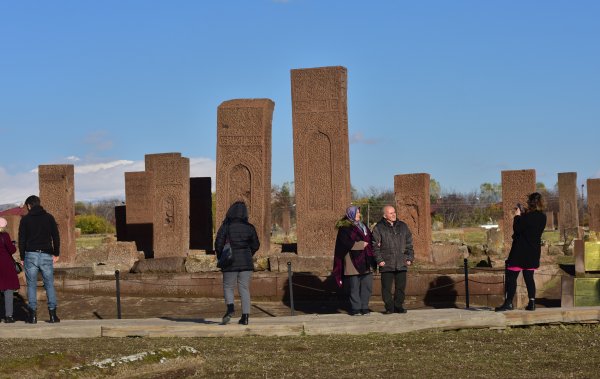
[(7, 206)]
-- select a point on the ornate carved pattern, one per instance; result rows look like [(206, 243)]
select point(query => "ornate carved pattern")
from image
[(516, 185)]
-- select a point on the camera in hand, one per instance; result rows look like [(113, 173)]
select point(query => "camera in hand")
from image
[(521, 208)]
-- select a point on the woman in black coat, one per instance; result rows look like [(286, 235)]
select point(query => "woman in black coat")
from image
[(525, 251), (243, 240)]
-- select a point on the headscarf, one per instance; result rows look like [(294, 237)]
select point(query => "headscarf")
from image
[(351, 214)]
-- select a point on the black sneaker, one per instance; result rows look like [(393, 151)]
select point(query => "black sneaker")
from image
[(365, 312), (387, 312), (400, 310), (355, 313)]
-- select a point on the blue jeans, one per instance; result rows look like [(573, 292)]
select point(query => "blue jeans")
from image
[(34, 263)]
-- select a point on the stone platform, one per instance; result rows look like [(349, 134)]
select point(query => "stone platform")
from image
[(328, 324)]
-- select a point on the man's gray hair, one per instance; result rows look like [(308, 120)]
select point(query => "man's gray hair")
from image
[(386, 206)]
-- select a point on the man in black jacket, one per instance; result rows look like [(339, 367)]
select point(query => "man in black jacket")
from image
[(393, 248), (39, 246)]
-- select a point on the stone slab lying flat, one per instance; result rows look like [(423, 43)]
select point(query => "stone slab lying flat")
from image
[(317, 324)]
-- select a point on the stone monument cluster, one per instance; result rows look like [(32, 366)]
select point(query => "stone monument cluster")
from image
[(167, 213)]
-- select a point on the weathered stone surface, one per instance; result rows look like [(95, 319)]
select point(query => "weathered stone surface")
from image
[(109, 257), (494, 240), (579, 255), (516, 186), (171, 208), (57, 195), (568, 222), (447, 255), (201, 223), (593, 198), (159, 265), (411, 192), (201, 263), (244, 162), (321, 156), (139, 197)]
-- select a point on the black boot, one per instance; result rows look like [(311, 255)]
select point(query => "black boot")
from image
[(32, 317), (228, 315), (507, 306), (9, 319), (244, 319), (53, 317), (531, 305)]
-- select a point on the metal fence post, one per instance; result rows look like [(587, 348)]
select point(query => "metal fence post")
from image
[(118, 284), (466, 264), (291, 287)]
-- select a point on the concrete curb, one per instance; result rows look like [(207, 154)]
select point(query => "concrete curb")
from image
[(325, 324)]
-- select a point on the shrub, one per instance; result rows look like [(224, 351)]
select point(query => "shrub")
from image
[(92, 224)]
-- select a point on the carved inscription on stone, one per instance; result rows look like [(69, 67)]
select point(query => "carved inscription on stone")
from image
[(516, 186), (413, 208), (593, 197), (244, 161), (321, 155), (171, 203), (320, 176), (57, 194)]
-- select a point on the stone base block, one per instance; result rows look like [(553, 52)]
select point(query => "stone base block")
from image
[(167, 264), (448, 255), (201, 263)]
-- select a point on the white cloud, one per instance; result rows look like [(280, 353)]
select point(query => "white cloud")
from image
[(358, 137), (93, 181)]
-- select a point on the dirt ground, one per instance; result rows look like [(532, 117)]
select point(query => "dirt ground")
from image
[(85, 307)]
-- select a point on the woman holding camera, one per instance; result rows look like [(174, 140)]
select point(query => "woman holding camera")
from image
[(524, 256)]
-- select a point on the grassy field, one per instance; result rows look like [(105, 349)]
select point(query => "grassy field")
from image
[(536, 352)]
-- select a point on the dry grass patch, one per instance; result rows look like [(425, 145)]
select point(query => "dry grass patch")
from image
[(546, 351)]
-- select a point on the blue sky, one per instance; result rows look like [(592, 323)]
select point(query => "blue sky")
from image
[(458, 89)]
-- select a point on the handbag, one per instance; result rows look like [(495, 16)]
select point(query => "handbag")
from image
[(18, 266), (226, 257)]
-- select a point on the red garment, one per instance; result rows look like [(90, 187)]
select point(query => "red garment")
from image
[(8, 275)]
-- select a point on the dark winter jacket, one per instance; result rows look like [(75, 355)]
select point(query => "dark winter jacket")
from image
[(38, 232), (241, 236), (393, 245), (363, 260), (527, 240)]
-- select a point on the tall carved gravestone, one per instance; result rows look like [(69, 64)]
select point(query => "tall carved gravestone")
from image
[(568, 222), (516, 186), (593, 197), (57, 195), (171, 208), (321, 156), (201, 224), (411, 192), (244, 161), (139, 200)]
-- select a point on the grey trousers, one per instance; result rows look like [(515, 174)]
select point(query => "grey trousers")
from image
[(8, 302), (242, 278), (360, 287)]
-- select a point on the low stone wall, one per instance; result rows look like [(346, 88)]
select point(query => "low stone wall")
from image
[(436, 288)]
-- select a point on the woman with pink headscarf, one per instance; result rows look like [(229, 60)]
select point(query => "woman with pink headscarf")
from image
[(354, 261)]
